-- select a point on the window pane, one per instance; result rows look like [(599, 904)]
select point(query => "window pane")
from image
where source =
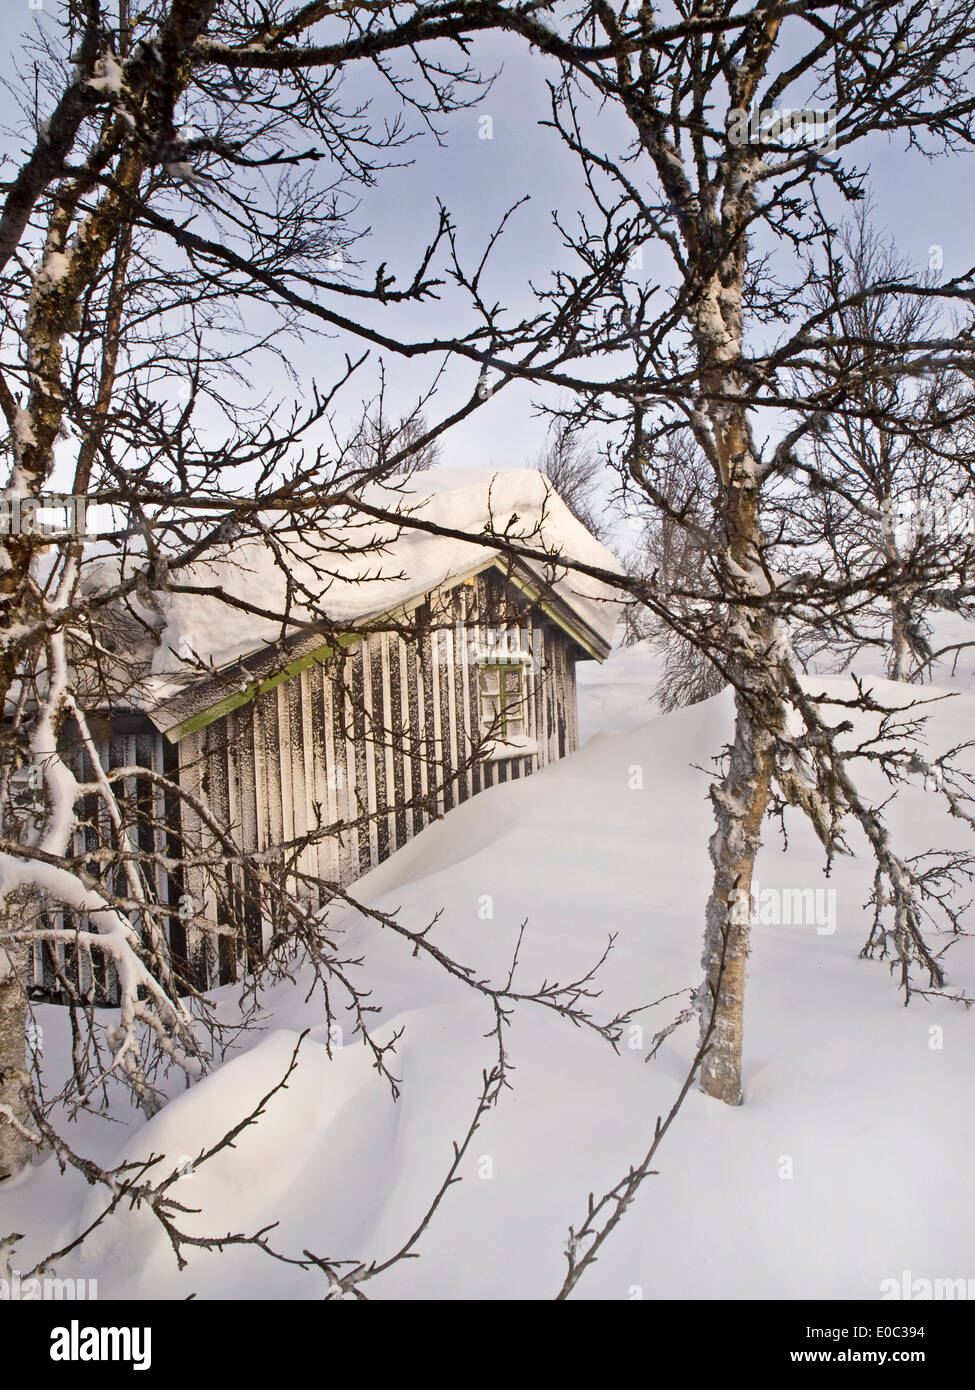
[(502, 700)]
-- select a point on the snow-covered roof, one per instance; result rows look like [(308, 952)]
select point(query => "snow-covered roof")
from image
[(391, 564)]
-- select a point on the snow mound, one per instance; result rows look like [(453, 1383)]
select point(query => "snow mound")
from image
[(819, 1186)]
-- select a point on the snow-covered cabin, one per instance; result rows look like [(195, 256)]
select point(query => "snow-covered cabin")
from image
[(426, 669)]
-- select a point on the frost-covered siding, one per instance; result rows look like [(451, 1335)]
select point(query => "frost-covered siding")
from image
[(152, 817), (369, 752), (359, 753)]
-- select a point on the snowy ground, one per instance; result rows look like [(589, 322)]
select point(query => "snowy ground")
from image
[(848, 1164)]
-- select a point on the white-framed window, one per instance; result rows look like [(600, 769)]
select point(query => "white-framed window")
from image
[(503, 700)]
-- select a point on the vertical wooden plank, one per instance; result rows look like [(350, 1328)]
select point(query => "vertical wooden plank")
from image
[(142, 751), (266, 714), (218, 791), (444, 695), (434, 732), (571, 705), (258, 758), (259, 763), (209, 950), (551, 751), (335, 771), (174, 816), (537, 708), (461, 699), (160, 827), (295, 755), (392, 735), (285, 761), (345, 758), (190, 776), (560, 678), (428, 749), (450, 690), (418, 729), (312, 705), (364, 791), (225, 746), (376, 706), (309, 760), (399, 742), (474, 710), (243, 751), (270, 734), (106, 975)]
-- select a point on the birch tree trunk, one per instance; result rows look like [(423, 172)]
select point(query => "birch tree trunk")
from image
[(14, 1149), (739, 804), (898, 640), (757, 652)]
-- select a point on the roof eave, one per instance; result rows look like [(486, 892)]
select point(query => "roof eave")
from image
[(261, 670)]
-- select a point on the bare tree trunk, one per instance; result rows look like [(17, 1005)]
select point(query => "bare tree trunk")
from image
[(739, 805), (898, 640), (14, 1149), (756, 646)]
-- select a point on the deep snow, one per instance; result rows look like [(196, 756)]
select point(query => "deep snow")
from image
[(845, 1088)]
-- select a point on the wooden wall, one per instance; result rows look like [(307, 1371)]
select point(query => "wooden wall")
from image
[(359, 754), (149, 817)]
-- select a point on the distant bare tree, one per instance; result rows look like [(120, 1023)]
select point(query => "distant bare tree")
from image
[(892, 470), (675, 563), (574, 468), (378, 441)]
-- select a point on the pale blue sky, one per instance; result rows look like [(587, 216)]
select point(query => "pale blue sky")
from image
[(922, 203)]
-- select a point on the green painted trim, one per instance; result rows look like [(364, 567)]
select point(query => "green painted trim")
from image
[(322, 654), (258, 688), (558, 618)]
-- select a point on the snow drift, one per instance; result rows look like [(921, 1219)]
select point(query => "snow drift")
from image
[(848, 1163)]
